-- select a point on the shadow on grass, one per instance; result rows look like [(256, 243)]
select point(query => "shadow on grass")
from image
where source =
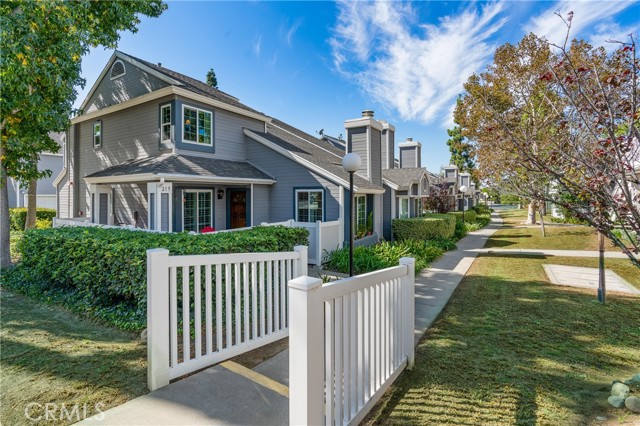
[(54, 344), (516, 351)]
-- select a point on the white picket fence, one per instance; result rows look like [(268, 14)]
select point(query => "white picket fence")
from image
[(348, 341), (323, 236), (221, 305)]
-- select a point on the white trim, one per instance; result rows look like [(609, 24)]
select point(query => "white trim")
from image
[(50, 154), (369, 162), (111, 77), (59, 178), (122, 56), (251, 198), (363, 122), (197, 191), (355, 201), (321, 191), (147, 177), (162, 140), (97, 123), (198, 110), (209, 101), (166, 91), (160, 93), (304, 140), (309, 165)]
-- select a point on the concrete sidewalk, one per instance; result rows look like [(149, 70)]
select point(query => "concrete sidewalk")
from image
[(229, 394)]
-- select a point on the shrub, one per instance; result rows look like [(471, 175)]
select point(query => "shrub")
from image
[(469, 216), (424, 228), (383, 255), (482, 209), (104, 270), (18, 217), (461, 230)]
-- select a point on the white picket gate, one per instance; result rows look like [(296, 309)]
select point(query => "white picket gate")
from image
[(348, 341), (222, 305), (323, 236)]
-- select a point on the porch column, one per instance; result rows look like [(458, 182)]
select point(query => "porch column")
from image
[(160, 206), (100, 205)]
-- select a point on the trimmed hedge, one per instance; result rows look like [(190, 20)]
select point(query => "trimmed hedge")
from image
[(469, 216), (105, 269), (424, 228), (18, 217)]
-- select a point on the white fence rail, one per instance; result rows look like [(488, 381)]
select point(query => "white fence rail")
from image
[(348, 341), (205, 309), (323, 236)]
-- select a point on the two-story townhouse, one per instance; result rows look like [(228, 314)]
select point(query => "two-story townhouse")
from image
[(156, 149)]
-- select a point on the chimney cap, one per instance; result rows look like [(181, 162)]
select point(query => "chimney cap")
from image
[(367, 113), (409, 139)]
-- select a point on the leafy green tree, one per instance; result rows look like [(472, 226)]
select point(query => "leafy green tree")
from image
[(42, 43), (212, 80)]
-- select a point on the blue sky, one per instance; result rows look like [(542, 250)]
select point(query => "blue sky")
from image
[(316, 64)]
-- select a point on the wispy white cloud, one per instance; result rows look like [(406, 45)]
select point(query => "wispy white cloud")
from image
[(257, 46), (417, 74), (605, 33), (287, 31), (587, 16)]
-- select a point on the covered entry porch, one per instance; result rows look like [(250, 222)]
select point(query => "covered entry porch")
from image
[(175, 193)]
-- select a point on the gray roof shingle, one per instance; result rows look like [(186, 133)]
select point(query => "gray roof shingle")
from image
[(197, 86), (404, 177), (184, 165), (316, 151)]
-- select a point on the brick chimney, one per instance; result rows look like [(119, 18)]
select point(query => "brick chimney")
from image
[(364, 137), (410, 154)]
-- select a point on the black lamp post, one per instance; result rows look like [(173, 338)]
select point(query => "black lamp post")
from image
[(463, 189), (351, 163)]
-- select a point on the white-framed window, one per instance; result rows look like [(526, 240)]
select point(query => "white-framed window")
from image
[(117, 69), (165, 123), (97, 134), (361, 210), (197, 210), (309, 205), (403, 208), (197, 126)]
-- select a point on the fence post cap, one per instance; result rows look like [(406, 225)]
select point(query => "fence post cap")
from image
[(157, 251), (407, 260), (305, 283), (300, 248)]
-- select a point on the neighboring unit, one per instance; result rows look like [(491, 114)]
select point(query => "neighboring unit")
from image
[(45, 190)]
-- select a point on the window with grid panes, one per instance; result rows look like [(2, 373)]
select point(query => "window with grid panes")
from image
[(309, 205), (196, 210)]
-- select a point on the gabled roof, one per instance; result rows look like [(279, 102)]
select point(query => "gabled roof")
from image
[(175, 79), (405, 177), (316, 154), (175, 165)]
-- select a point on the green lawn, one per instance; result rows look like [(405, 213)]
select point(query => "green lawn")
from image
[(52, 356), (512, 349), (514, 235)]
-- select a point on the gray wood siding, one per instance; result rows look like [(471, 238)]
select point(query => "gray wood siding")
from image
[(260, 204), (357, 142), (376, 157), (387, 199), (388, 148), (64, 198), (128, 199), (407, 157), (52, 163), (290, 176), (378, 215), (128, 134), (228, 136), (219, 209), (131, 85)]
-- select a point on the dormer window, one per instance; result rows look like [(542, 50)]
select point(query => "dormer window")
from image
[(117, 69)]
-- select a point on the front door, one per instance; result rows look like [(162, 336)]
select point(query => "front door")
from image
[(238, 209)]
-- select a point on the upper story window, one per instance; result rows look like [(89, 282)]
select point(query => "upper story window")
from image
[(197, 126), (97, 134), (165, 123), (309, 205), (117, 69)]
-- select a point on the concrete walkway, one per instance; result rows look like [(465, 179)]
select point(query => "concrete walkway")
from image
[(229, 394)]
